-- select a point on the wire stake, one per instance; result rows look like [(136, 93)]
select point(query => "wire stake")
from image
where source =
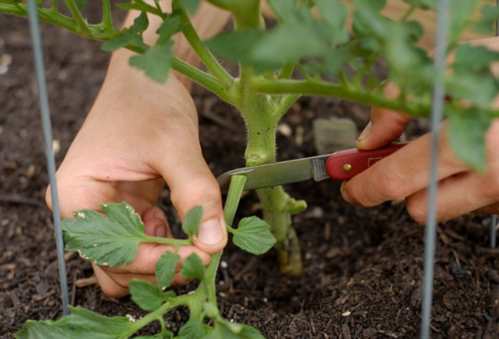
[(436, 118), (47, 136)]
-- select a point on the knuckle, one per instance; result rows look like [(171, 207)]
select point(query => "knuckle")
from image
[(390, 184), (416, 211), (201, 192)]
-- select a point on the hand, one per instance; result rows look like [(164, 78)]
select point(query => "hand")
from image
[(404, 175), (138, 135)]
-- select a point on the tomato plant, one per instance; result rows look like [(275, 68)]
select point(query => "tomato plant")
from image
[(314, 49)]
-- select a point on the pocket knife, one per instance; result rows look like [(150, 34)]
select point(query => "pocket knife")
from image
[(341, 165)]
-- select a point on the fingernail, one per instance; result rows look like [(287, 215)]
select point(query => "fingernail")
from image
[(160, 231), (344, 194), (210, 232), (365, 134)]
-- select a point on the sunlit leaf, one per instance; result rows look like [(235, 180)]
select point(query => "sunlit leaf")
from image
[(253, 235)]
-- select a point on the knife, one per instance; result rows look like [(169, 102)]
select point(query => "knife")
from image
[(341, 165)]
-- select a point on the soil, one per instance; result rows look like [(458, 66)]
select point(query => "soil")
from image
[(363, 267)]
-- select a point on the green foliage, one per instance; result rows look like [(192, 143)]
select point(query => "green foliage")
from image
[(166, 268), (489, 17), (129, 36), (110, 239), (81, 324), (193, 267), (147, 296), (466, 136), (155, 62), (253, 235), (192, 220)]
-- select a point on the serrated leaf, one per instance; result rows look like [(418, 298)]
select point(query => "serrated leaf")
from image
[(80, 323), (278, 47), (111, 239), (283, 9), (155, 62), (192, 220), (461, 14), (487, 22), (166, 268), (253, 235), (466, 135), (334, 12), (192, 329), (170, 26), (191, 6), (235, 45), (193, 267), (228, 330), (474, 59), (129, 36), (147, 296)]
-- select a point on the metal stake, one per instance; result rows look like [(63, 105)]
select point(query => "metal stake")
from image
[(493, 220), (47, 136), (436, 117)]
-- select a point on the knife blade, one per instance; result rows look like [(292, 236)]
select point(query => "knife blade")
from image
[(341, 165)]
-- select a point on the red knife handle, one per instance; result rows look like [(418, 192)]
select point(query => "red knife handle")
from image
[(346, 164)]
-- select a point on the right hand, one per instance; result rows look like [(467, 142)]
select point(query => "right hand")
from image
[(138, 135)]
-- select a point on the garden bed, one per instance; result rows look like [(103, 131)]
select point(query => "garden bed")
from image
[(363, 268)]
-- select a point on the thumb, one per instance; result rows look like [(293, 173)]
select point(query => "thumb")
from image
[(192, 184), (385, 125)]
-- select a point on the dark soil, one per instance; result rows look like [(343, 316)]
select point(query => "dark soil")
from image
[(363, 268)]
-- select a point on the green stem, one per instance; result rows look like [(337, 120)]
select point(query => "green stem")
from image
[(318, 87), (107, 19), (203, 79), (155, 315), (167, 241), (198, 46), (75, 12)]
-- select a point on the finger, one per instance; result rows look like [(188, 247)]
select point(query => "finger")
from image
[(155, 223), (401, 174), (385, 125), (108, 286), (149, 254), (457, 195), (192, 184)]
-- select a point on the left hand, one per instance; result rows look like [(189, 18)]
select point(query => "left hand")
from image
[(404, 175)]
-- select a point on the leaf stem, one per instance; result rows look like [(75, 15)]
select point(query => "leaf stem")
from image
[(319, 87), (107, 19), (75, 12), (201, 50), (167, 241)]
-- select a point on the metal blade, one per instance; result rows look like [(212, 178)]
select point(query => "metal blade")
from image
[(280, 173)]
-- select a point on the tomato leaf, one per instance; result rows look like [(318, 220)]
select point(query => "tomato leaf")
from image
[(466, 136), (147, 296), (110, 239), (253, 235), (129, 36), (80, 323), (192, 329), (229, 330), (192, 220), (193, 267), (155, 62), (166, 269), (191, 6)]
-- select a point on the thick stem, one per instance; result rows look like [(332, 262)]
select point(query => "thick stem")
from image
[(277, 205)]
